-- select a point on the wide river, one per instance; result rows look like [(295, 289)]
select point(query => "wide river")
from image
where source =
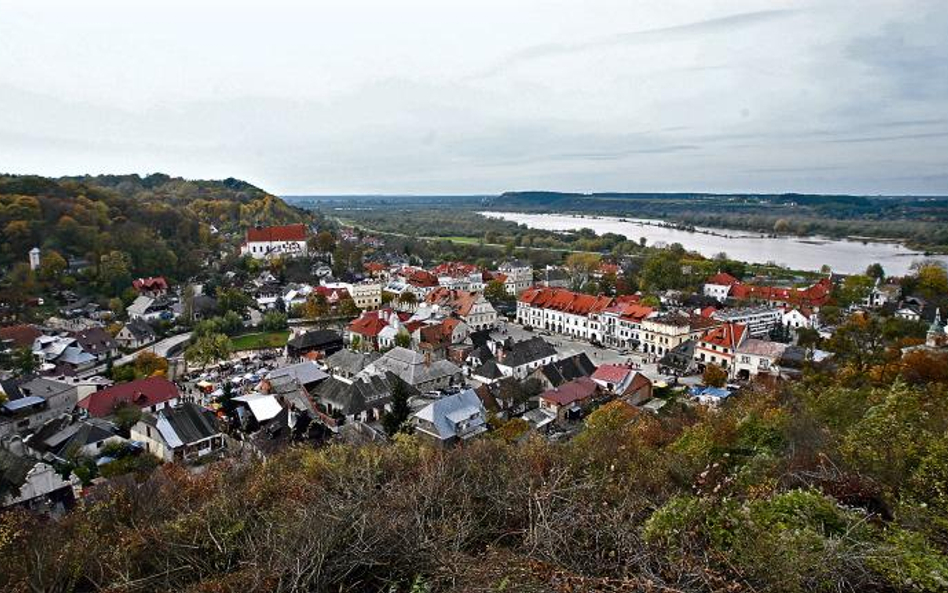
[(843, 256)]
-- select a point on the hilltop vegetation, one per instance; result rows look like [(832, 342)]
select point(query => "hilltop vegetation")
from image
[(158, 224), (834, 483)]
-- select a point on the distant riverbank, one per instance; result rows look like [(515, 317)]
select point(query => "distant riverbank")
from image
[(801, 253)]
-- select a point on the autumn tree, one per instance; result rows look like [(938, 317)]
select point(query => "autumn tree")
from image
[(496, 292), (583, 264), (348, 308), (114, 272), (714, 376), (52, 266), (208, 349), (854, 290), (403, 339), (148, 364), (932, 280)]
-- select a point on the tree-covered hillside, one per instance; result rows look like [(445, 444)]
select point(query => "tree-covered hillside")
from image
[(162, 224)]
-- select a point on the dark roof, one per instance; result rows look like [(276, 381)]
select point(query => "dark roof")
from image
[(481, 353), (564, 371), (191, 422), (12, 388), (480, 338), (13, 472), (528, 351), (95, 340), (793, 357), (488, 370), (60, 435), (680, 357), (353, 398), (19, 336), (140, 329), (315, 339)]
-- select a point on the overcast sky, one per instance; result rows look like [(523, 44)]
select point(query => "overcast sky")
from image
[(485, 96)]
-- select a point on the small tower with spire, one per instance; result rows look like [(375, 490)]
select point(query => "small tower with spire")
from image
[(935, 337)]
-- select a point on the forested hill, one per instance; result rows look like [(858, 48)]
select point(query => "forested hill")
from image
[(162, 223)]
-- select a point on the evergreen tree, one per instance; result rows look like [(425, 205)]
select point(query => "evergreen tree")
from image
[(394, 420)]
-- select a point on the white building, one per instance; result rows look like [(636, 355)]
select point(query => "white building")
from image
[(719, 286), (799, 318), (757, 357), (519, 275), (366, 295), (758, 320), (563, 312), (275, 241)]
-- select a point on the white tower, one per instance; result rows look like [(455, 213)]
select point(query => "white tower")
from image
[(35, 258)]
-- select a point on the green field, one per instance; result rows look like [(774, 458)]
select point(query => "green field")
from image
[(260, 341)]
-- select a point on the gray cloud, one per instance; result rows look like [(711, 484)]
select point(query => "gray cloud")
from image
[(801, 98), (725, 24)]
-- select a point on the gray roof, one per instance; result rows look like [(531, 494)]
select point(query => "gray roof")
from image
[(444, 414), (528, 351), (349, 362), (140, 306), (756, 347), (411, 367), (44, 388), (306, 373)]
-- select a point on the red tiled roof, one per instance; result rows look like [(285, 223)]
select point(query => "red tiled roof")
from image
[(455, 269), (707, 312), (289, 232), (21, 336), (150, 284), (460, 301), (421, 278), (728, 335), (374, 267), (634, 312), (812, 296), (569, 393), (722, 279), (370, 323), (333, 295), (142, 393), (612, 373), (607, 268), (560, 299)]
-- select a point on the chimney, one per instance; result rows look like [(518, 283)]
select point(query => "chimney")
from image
[(427, 358)]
